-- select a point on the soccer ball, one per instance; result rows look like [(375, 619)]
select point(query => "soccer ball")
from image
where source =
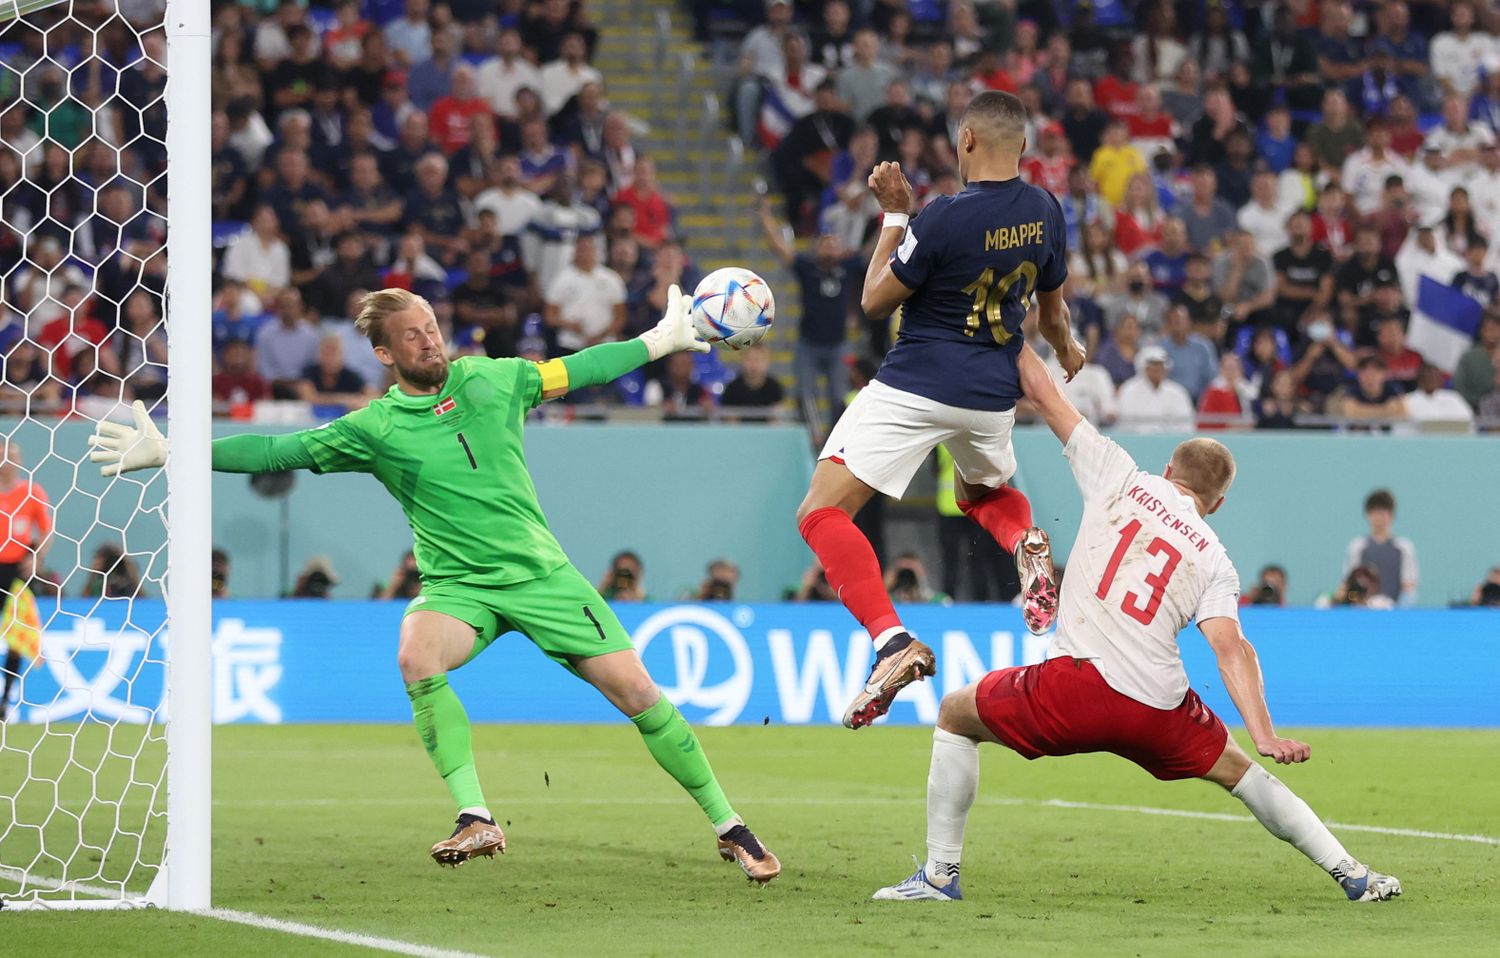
[(733, 307)]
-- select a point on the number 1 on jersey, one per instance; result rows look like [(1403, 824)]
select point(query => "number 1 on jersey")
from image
[(467, 451), (1130, 604)]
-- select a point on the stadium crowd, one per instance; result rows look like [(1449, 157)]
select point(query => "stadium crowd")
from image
[(1277, 212)]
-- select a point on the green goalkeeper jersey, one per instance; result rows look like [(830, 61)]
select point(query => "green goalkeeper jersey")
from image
[(456, 463)]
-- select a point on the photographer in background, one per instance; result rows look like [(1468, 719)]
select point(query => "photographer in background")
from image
[(1269, 588), (625, 580), (906, 581), (405, 582), (218, 571), (723, 576), (1360, 589), (315, 580)]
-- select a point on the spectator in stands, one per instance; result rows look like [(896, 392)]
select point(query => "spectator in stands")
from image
[(399, 163), (1325, 360), (894, 120), (286, 347), (1475, 376), (328, 382), (720, 582), (367, 77), (1279, 405), (945, 123), (502, 75), (906, 581), (754, 388), (312, 245), (258, 257), (1360, 274), (1304, 275), (1458, 140), (548, 243), (1168, 262), (1430, 185), (1228, 398), (542, 163), (1424, 255), (292, 187), (833, 39), (1265, 216), (585, 301), (931, 80), (1097, 267), (483, 307), (677, 394), (1338, 134), (1138, 220), (1385, 306), (290, 84), (1050, 165), (143, 352), (1210, 132), (1284, 63), (564, 77), (1205, 309), (411, 268), (852, 218), (1484, 186), (1191, 360), (433, 209), (653, 212), (827, 279), (1429, 402), (39, 285), (471, 168), (1208, 217), (760, 59), (1373, 395), (1140, 299), (432, 79), (1115, 162), (1366, 170), (451, 116), (410, 36), (512, 203), (1402, 363), (1331, 229), (1120, 350), (394, 109), (862, 83), (1149, 401), (581, 127), (341, 41), (237, 381), (1393, 558)]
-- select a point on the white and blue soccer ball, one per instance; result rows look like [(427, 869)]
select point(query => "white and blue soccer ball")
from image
[(733, 307)]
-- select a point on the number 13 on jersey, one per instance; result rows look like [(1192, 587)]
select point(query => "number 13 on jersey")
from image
[(1130, 604)]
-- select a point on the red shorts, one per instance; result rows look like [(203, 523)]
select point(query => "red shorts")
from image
[(1063, 706)]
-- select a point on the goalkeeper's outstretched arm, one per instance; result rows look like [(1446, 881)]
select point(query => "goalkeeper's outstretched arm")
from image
[(120, 448), (607, 362)]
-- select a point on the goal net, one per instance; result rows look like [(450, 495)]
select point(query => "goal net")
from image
[(94, 778)]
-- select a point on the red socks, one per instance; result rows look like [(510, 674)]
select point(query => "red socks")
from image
[(1005, 514), (851, 567)]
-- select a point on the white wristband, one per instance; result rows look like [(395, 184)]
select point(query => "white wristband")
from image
[(897, 220)]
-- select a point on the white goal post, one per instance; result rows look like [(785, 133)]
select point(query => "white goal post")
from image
[(110, 839)]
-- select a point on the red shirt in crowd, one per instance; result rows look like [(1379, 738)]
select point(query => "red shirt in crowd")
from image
[(1158, 127), (1333, 234), (1048, 172), (449, 121), (1116, 97), (1131, 235), (653, 217), (236, 388)]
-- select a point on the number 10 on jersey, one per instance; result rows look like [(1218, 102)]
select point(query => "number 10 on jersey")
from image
[(989, 297)]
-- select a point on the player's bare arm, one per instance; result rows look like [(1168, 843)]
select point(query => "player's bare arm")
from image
[(883, 291), (1055, 321), (1056, 410), (1239, 666)]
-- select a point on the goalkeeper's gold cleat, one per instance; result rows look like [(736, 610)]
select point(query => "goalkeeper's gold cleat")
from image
[(473, 837), (739, 845)]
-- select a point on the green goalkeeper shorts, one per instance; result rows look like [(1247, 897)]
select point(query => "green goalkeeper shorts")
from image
[(561, 613)]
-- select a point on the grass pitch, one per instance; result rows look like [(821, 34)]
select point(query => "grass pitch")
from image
[(329, 826)]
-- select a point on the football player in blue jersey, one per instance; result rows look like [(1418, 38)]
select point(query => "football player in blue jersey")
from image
[(965, 271)]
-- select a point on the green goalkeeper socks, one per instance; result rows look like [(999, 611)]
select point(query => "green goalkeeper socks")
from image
[(444, 727), (672, 743)]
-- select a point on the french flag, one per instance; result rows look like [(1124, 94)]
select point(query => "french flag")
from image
[(447, 405), (1443, 324), (775, 120)]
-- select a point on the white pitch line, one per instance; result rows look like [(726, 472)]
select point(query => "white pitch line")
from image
[(329, 934), (815, 802)]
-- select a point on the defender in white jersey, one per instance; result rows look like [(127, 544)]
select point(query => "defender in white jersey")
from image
[(1144, 565)]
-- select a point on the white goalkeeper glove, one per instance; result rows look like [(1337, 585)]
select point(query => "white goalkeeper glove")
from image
[(675, 331), (124, 448)]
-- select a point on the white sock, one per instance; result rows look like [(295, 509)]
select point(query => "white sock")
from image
[(952, 784), (721, 830), (478, 810), (887, 635), (1290, 819)]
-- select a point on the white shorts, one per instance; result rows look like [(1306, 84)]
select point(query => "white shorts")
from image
[(886, 434)]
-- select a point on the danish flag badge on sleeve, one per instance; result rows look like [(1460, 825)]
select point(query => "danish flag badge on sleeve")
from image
[(447, 405)]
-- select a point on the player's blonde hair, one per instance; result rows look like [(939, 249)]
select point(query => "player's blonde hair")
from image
[(375, 307), (1205, 466)]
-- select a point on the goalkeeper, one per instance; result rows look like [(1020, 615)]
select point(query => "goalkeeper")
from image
[(445, 440)]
